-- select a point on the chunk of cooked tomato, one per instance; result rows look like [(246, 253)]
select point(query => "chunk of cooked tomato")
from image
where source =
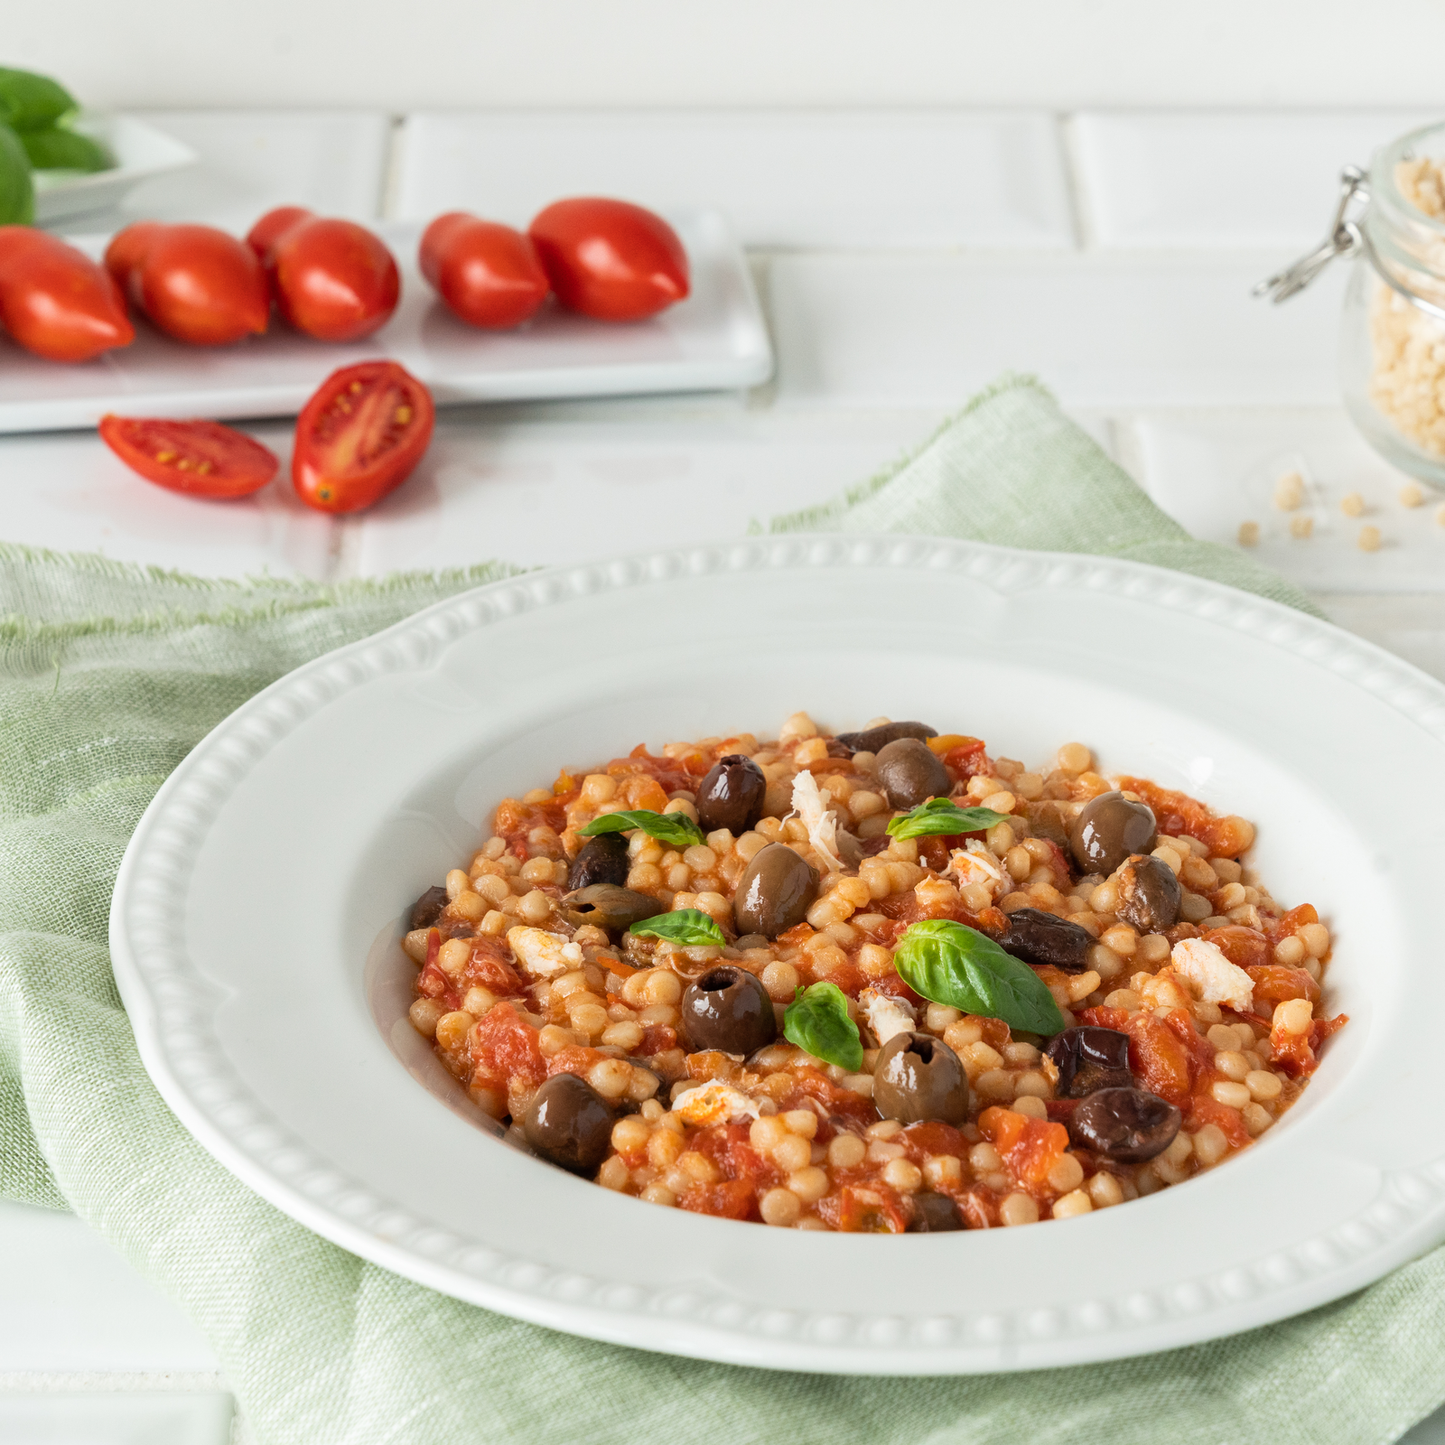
[(871, 1208), (1204, 1109), (1244, 947), (732, 1199), (1273, 983), (1158, 1059), (504, 1047), (1030, 1147)]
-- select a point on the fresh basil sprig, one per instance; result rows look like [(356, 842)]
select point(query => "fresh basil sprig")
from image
[(953, 964), (31, 102), (675, 828), (17, 190), (817, 1020), (690, 927), (939, 815)]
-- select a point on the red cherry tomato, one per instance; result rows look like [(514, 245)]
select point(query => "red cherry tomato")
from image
[(194, 282), (200, 458), (333, 280), (55, 301), (610, 259), (487, 273), (271, 227), (360, 436)]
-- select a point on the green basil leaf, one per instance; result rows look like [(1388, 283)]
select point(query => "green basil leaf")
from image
[(939, 815), (817, 1020), (32, 102), (59, 149), (17, 190), (953, 964), (690, 927), (675, 828)]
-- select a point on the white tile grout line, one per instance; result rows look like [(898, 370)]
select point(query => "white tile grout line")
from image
[(107, 1382), (391, 168), (1085, 232)]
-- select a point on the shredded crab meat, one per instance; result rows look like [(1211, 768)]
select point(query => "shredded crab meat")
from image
[(541, 953), (1211, 975), (886, 1015), (812, 808), (975, 864), (714, 1103)]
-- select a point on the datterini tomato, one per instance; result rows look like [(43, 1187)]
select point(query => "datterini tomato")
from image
[(195, 283), (487, 273), (55, 301), (271, 227), (200, 458), (610, 259), (360, 436), (332, 279)]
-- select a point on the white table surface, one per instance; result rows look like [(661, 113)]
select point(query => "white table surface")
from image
[(904, 260)]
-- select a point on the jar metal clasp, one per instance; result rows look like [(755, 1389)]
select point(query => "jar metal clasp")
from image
[(1345, 238)]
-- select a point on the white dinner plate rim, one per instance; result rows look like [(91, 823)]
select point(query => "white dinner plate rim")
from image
[(1258, 1292)]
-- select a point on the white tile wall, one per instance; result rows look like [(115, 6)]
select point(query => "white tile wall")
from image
[(833, 179), (1105, 331), (1202, 179), (334, 162)]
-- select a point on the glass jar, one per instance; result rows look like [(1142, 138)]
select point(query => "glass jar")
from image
[(1392, 337)]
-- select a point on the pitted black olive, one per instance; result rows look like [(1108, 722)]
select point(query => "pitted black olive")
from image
[(774, 892), (727, 1009), (933, 1213), (570, 1123), (1108, 829), (1149, 895), (910, 773), (1125, 1125), (731, 795), (1038, 937), (603, 859), (1088, 1059), (920, 1077), (424, 911), (871, 740), (605, 905)]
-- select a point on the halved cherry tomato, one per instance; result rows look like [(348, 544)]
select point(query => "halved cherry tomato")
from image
[(200, 458), (55, 301), (610, 259), (487, 273), (360, 436), (332, 279), (195, 283), (271, 227)]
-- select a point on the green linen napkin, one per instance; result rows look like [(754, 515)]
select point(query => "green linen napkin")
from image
[(108, 674)]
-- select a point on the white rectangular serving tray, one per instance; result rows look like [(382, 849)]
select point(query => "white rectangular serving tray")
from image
[(715, 340)]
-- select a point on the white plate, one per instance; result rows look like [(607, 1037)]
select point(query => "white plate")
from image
[(141, 151), (283, 850), (713, 340)]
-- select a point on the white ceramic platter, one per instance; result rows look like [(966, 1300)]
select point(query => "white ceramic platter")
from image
[(714, 340), (256, 923), (140, 150)]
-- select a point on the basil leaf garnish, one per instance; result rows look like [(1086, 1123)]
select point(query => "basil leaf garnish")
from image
[(58, 149), (690, 927), (675, 828), (939, 815), (953, 964), (32, 102), (17, 190), (817, 1020)]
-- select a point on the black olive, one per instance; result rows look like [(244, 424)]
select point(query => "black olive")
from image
[(1149, 895), (424, 911), (727, 1009), (1108, 829), (605, 905), (603, 859), (920, 1077), (1125, 1125), (1088, 1059), (570, 1123), (933, 1213), (870, 740), (911, 773), (1038, 937), (731, 795), (774, 892)]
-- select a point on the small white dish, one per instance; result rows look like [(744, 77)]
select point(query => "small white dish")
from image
[(714, 340), (140, 150), (256, 923)]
